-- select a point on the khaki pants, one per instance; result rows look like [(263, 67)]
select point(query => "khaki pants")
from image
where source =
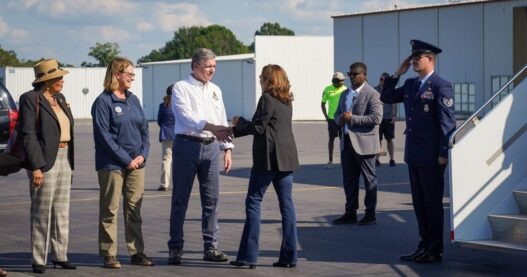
[(131, 184), (166, 165)]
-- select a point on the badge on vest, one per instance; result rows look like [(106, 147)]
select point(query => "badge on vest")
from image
[(448, 102), (214, 96), (118, 109), (426, 108)]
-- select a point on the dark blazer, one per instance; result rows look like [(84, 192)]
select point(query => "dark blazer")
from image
[(166, 121), (366, 115), (274, 146), (430, 118), (42, 142)]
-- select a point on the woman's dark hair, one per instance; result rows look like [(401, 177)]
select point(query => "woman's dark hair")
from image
[(168, 96)]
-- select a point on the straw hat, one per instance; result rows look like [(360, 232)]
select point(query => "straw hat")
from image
[(47, 70)]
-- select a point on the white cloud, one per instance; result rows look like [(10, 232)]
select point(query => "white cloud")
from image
[(170, 17), (15, 35), (113, 34), (4, 29), (74, 8), (144, 26), (310, 9)]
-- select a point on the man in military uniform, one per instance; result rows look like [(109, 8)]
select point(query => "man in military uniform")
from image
[(429, 106)]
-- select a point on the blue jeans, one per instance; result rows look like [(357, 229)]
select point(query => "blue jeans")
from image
[(191, 158), (283, 185)]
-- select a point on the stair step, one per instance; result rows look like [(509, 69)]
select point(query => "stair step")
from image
[(521, 200), (509, 228), (493, 244)]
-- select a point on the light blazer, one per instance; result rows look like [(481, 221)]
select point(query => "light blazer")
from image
[(274, 146), (42, 143), (366, 115)]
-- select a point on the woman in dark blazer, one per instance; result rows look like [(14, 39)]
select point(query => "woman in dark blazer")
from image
[(46, 127), (274, 160), (166, 121)]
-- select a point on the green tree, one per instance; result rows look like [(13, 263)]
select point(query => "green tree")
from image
[(10, 58), (187, 39), (272, 29), (103, 53)]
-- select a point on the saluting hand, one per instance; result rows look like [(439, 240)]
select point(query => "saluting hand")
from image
[(403, 68)]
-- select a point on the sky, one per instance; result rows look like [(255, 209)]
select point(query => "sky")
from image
[(66, 29)]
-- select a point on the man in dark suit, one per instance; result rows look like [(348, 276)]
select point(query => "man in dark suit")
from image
[(429, 106), (359, 114)]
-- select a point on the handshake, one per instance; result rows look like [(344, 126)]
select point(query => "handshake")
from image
[(222, 133)]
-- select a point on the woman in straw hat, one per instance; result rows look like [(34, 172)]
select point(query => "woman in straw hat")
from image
[(46, 126)]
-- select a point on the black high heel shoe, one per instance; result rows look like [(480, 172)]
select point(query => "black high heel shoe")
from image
[(38, 268), (282, 264), (64, 265), (240, 264)]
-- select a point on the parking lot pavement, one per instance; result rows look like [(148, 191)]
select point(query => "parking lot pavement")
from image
[(324, 249)]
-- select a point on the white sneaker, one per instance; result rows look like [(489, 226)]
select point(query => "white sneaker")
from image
[(330, 165)]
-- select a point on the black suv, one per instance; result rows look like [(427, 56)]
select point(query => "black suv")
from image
[(8, 116)]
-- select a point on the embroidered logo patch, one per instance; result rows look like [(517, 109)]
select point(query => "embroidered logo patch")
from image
[(448, 102), (214, 96)]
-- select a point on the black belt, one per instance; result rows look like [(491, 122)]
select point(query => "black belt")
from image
[(205, 141)]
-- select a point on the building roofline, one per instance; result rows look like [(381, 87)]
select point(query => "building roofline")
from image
[(218, 58), (418, 7)]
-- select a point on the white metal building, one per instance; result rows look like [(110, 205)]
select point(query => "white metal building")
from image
[(81, 86), (484, 43), (308, 62)]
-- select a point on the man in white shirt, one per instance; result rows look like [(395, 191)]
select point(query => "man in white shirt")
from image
[(201, 133)]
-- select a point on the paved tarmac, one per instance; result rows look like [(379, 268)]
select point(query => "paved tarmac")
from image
[(324, 249)]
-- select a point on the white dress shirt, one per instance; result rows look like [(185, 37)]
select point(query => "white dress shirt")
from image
[(423, 81), (194, 104), (349, 101)]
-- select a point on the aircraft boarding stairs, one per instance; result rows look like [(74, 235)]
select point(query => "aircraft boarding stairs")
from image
[(488, 173)]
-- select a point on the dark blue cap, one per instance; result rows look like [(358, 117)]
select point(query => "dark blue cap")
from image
[(419, 47)]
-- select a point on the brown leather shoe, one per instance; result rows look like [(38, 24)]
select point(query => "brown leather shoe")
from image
[(111, 262), (3, 273)]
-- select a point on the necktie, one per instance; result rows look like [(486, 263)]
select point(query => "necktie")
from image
[(417, 85)]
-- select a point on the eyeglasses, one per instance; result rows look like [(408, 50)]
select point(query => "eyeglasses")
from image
[(128, 74), (381, 79), (351, 74)]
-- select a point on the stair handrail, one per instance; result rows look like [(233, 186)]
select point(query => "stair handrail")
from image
[(473, 116)]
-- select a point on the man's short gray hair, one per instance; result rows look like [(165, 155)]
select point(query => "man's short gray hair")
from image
[(202, 54)]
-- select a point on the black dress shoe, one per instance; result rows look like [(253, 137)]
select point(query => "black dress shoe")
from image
[(413, 256), (38, 268), (282, 264), (64, 265), (429, 257), (347, 218), (240, 264), (368, 219)]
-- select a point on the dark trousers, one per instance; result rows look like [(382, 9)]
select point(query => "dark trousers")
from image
[(427, 185), (190, 159), (283, 186), (353, 166)]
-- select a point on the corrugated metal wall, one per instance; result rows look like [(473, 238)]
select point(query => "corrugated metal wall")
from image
[(309, 66), (18, 80), (234, 75), (476, 40)]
